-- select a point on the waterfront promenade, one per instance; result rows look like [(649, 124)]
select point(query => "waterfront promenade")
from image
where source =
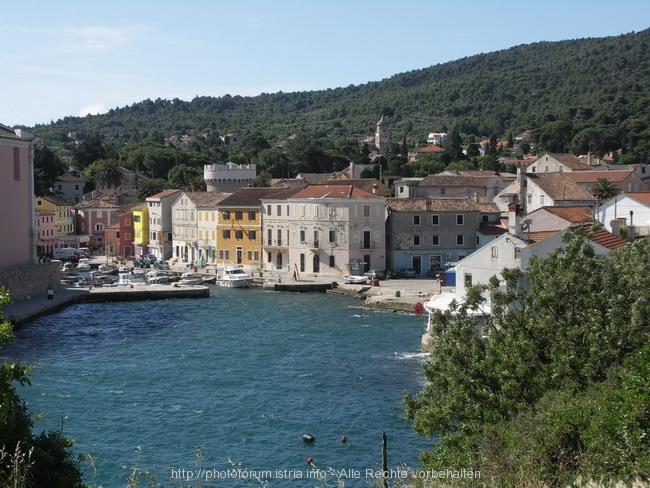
[(394, 295)]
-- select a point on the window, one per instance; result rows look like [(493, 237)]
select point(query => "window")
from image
[(269, 237), (226, 215), (239, 234), (331, 261), (366, 211), (416, 220), (460, 240), (435, 240), (136, 219), (332, 235), (251, 235), (238, 215), (251, 215), (332, 210), (530, 198), (269, 257), (495, 252), (416, 240), (250, 255), (268, 211), (541, 199), (302, 235), (256, 255), (226, 234), (127, 236), (443, 191), (279, 209), (460, 219), (279, 236), (302, 263), (468, 280), (517, 253), (435, 219), (99, 227)]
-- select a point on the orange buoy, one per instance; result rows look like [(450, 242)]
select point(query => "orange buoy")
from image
[(344, 439), (310, 461)]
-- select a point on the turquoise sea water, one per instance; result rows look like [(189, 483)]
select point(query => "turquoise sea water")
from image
[(243, 374)]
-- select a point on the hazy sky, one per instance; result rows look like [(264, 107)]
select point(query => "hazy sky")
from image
[(73, 57)]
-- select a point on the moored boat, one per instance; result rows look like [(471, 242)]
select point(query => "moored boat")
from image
[(190, 279), (107, 269), (233, 277), (156, 278), (83, 265)]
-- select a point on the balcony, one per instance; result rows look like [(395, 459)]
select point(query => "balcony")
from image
[(271, 244), (367, 245)]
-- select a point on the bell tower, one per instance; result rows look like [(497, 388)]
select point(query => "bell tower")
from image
[(382, 136)]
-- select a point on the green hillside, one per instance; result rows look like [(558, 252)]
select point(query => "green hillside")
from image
[(601, 83)]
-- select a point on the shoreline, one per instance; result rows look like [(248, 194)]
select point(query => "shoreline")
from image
[(400, 295)]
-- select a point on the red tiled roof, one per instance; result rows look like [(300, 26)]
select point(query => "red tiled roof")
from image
[(575, 215), (163, 194), (641, 196), (559, 187), (615, 176), (334, 191)]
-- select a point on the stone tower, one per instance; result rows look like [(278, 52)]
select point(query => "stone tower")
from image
[(382, 136)]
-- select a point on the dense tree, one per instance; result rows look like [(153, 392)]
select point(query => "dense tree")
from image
[(109, 172), (604, 189), (149, 187), (28, 460), (518, 403), (88, 152), (48, 166)]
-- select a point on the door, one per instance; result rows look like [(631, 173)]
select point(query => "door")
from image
[(417, 264), (316, 263)]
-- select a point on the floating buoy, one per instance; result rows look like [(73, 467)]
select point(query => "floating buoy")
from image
[(310, 461), (344, 439), (308, 438)]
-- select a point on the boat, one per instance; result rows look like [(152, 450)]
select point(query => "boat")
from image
[(156, 278), (190, 279), (233, 277), (211, 279), (69, 269), (107, 269), (83, 265), (123, 269)]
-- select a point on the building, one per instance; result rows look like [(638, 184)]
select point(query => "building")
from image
[(93, 217), (437, 138), (483, 186), (16, 197), (239, 227), (119, 237), (629, 209), (46, 239), (194, 226), (159, 208), (558, 163), (382, 136), (624, 180), (65, 219), (70, 186), (141, 230), (429, 234), (229, 177), (325, 230)]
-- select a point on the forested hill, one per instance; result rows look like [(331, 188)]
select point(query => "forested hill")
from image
[(596, 82)]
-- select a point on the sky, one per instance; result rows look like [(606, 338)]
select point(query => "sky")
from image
[(76, 57)]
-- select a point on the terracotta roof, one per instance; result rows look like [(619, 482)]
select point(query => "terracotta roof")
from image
[(96, 203), (575, 215), (615, 176), (163, 194), (641, 196), (315, 178), (59, 202), (435, 205), (488, 207), (490, 229), (250, 197), (430, 149), (569, 160), (559, 187), (607, 239), (540, 236), (206, 198), (442, 180), (71, 177), (334, 191)]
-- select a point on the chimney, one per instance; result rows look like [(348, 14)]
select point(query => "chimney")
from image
[(476, 197), (375, 189), (514, 224), (630, 229), (521, 186)]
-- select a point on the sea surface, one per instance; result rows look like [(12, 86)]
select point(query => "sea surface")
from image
[(238, 377)]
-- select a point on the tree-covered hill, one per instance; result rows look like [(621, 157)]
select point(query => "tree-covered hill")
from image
[(601, 83)]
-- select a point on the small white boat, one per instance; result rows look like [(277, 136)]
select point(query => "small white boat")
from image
[(190, 279), (83, 265), (124, 269), (156, 278), (69, 269), (233, 277), (107, 269)]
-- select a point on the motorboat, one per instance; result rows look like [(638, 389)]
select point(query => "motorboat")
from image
[(83, 266), (107, 269), (190, 279), (69, 269), (156, 278), (233, 277), (123, 269), (211, 279)]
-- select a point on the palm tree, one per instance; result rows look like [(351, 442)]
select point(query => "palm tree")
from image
[(149, 187), (604, 189), (109, 172)]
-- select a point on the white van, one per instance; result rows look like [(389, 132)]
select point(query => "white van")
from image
[(66, 253)]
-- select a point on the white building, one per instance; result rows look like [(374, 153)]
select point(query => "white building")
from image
[(624, 210), (160, 223), (229, 177)]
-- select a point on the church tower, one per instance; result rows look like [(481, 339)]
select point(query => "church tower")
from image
[(382, 136)]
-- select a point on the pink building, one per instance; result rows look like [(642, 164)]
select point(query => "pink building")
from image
[(16, 198), (46, 238)]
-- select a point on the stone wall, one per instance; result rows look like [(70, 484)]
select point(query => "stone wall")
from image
[(31, 281)]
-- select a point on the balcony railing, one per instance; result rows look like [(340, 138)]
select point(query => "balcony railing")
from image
[(367, 245)]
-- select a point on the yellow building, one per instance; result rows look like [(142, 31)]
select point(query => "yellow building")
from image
[(64, 217), (141, 229), (239, 227)]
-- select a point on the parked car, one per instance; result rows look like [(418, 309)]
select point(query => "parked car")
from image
[(406, 273), (391, 274), (375, 274), (435, 272), (355, 279)]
